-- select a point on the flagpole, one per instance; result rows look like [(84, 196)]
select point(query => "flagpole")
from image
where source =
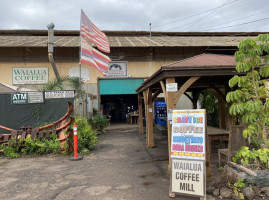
[(80, 89)]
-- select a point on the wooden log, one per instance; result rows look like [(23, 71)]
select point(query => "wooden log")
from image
[(242, 168)]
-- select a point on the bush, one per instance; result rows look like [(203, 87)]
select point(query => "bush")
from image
[(15, 149), (87, 137), (99, 122), (252, 158)]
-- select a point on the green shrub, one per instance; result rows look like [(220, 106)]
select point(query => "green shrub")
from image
[(99, 122), (87, 137), (248, 157), (28, 146)]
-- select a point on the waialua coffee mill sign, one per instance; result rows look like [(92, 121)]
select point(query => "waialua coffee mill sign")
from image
[(30, 75)]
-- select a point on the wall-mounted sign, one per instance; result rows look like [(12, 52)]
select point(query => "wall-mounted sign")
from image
[(188, 177), (117, 69), (30, 75), (59, 94), (35, 97), (19, 98), (171, 87)]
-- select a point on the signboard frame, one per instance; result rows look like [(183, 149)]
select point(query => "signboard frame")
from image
[(184, 134)]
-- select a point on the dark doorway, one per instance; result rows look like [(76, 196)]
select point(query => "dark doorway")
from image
[(118, 106)]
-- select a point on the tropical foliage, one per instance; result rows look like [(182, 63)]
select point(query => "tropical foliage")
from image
[(250, 94)]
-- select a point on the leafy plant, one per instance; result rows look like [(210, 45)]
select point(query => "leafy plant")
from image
[(209, 102), (28, 146), (99, 122), (87, 137), (249, 98), (236, 187), (247, 157)]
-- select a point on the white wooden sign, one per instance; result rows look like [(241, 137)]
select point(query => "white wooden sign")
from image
[(188, 177), (171, 87), (59, 94)]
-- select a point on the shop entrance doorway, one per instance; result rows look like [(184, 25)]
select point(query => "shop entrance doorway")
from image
[(119, 106)]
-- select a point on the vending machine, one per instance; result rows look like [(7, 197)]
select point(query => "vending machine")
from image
[(160, 113)]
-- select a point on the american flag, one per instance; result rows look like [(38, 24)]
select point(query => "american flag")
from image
[(93, 57), (93, 34)]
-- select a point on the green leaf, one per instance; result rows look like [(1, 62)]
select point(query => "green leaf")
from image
[(233, 81)]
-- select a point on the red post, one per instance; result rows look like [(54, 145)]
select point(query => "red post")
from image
[(76, 157), (75, 141)]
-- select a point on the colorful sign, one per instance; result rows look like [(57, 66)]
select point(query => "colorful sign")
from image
[(188, 134), (19, 98), (188, 177), (30, 75)]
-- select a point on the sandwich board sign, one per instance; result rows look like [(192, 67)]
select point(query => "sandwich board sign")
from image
[(188, 152)]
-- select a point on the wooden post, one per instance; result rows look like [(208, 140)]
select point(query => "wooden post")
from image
[(140, 110), (150, 136), (170, 105), (145, 94)]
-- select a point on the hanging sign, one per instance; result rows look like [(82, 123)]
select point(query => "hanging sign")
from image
[(188, 152)]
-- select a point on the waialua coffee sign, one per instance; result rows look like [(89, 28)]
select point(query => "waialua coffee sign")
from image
[(30, 75)]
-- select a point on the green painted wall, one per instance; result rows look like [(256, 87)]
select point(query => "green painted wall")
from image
[(119, 86)]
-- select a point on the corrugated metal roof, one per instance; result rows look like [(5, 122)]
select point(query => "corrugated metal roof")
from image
[(125, 41)]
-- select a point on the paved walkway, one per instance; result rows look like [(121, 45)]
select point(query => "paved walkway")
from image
[(120, 168)]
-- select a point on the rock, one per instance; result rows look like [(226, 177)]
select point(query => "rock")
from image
[(242, 175), (212, 183), (210, 197), (237, 194), (210, 189), (248, 193), (216, 192), (267, 193), (256, 190), (218, 180), (225, 192)]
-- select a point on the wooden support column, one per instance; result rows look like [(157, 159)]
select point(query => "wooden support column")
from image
[(170, 106), (140, 110), (149, 120), (145, 94)]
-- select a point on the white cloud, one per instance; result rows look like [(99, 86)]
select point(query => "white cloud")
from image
[(165, 15)]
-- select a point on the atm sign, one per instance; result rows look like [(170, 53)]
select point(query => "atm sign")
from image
[(19, 98)]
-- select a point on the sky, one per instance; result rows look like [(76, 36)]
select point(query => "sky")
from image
[(137, 15)]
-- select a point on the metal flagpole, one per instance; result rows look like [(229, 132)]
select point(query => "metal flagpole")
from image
[(80, 89)]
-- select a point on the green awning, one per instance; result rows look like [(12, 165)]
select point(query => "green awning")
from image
[(119, 86)]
